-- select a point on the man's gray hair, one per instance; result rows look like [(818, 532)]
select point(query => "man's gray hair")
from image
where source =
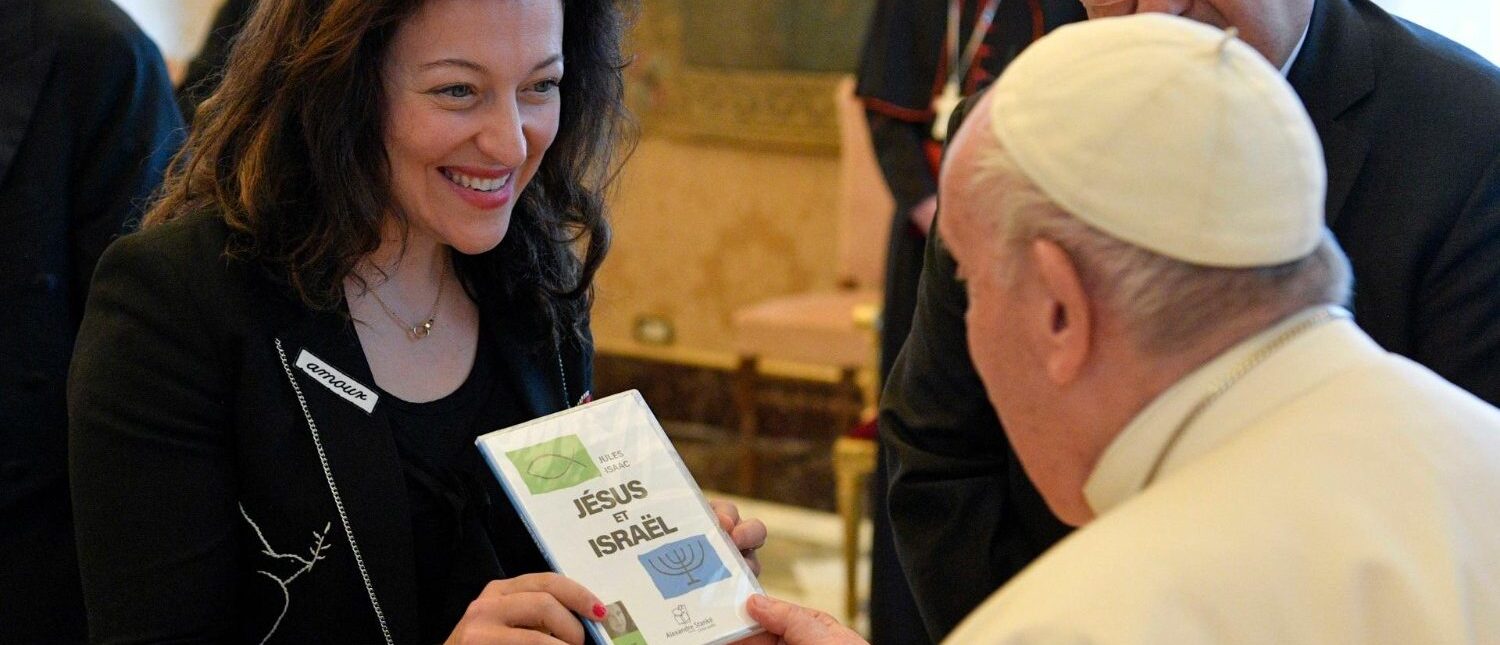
[(1168, 304)]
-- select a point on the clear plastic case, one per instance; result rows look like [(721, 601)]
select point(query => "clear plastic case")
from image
[(611, 504)]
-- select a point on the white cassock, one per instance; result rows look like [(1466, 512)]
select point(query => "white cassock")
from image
[(1336, 493)]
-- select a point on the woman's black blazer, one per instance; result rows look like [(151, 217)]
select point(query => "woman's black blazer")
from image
[(221, 492)]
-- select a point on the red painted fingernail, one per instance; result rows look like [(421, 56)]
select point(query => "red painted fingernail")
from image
[(599, 610)]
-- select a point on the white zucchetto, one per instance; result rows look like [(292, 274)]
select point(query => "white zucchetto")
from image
[(1167, 134)]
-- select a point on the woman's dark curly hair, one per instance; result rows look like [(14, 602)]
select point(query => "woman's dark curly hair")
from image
[(290, 151)]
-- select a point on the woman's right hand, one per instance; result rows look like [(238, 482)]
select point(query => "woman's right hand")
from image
[(534, 608)]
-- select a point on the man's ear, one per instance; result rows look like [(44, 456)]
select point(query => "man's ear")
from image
[(1067, 330)]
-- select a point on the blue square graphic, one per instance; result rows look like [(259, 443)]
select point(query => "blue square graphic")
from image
[(686, 565)]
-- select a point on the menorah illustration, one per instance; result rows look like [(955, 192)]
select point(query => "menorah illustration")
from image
[(680, 560)]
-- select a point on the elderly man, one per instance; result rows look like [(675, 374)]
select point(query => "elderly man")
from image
[(1413, 156), (1136, 212)]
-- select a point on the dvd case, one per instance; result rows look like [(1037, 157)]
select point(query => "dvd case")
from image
[(610, 503)]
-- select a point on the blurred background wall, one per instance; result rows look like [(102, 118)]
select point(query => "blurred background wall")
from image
[(731, 196), (178, 26)]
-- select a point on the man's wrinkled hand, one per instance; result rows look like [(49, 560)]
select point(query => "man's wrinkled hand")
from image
[(793, 625)]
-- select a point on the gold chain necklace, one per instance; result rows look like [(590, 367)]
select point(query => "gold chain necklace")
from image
[(423, 329)]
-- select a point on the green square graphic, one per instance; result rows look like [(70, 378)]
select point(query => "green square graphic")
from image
[(554, 464), (633, 638)]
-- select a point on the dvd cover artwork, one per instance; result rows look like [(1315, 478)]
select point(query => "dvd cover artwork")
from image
[(609, 501)]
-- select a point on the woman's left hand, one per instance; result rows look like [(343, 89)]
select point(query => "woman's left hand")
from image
[(747, 535)]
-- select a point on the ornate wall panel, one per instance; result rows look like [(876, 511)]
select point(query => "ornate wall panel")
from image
[(752, 72)]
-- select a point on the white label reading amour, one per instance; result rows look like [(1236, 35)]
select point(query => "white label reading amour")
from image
[(334, 380)]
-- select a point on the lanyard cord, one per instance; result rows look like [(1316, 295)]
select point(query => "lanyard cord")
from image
[(976, 38)]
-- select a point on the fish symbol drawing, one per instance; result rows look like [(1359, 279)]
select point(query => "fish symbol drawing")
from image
[(553, 466)]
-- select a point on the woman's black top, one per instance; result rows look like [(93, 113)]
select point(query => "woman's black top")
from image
[(450, 490), (230, 487)]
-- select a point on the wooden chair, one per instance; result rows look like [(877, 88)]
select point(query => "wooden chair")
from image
[(835, 328), (853, 462)]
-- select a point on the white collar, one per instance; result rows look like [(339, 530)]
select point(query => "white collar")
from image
[(1297, 51), (1308, 358)]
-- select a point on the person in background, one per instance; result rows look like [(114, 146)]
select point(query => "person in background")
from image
[(1413, 160), (1154, 309), (378, 243), (87, 126), (918, 55)]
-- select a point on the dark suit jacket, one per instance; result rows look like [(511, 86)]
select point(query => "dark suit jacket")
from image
[(87, 125), (205, 462), (898, 75), (1409, 128)]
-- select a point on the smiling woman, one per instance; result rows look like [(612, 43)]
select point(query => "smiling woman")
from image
[(378, 243), (473, 104)]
